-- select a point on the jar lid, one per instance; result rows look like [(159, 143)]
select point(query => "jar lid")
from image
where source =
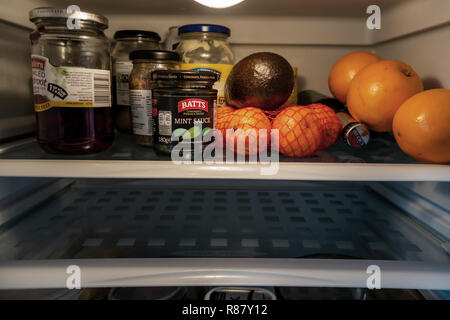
[(49, 12), (204, 28), (136, 34), (155, 55), (186, 75)]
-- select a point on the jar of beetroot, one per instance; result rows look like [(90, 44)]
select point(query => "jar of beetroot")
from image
[(71, 81)]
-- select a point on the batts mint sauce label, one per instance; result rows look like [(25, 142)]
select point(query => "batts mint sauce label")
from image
[(186, 119)]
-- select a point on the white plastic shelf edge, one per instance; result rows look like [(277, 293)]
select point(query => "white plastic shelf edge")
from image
[(168, 170), (224, 271)]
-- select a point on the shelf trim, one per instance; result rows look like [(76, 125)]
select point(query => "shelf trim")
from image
[(97, 273), (168, 170)]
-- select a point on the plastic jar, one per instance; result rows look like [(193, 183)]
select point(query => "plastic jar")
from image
[(205, 47), (141, 85), (127, 41), (185, 106), (71, 81)]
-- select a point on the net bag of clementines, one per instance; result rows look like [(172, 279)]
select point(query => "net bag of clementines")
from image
[(255, 107), (302, 130)]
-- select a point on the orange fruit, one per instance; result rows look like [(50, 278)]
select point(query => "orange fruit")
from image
[(330, 123), (378, 90), (246, 123), (225, 109), (223, 120), (300, 131), (345, 69), (421, 126)]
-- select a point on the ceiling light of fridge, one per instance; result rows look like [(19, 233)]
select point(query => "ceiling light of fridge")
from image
[(219, 3)]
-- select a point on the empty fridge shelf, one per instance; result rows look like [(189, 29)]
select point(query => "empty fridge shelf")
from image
[(382, 160), (132, 224), (130, 220)]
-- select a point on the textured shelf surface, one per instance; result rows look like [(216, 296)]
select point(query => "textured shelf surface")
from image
[(382, 160), (119, 219), (382, 149)]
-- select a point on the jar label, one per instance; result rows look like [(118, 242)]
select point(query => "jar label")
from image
[(223, 70), (192, 104), (69, 87), (141, 112), (184, 118), (122, 70)]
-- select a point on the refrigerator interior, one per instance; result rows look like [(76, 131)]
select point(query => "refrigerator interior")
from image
[(129, 218)]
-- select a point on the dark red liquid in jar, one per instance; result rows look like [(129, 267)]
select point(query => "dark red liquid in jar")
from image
[(75, 130), (121, 114)]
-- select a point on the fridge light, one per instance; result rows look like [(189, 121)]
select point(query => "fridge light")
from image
[(218, 3)]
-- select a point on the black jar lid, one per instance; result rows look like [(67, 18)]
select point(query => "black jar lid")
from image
[(185, 75), (155, 55), (136, 34)]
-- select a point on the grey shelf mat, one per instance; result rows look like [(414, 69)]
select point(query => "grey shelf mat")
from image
[(131, 221), (382, 149)]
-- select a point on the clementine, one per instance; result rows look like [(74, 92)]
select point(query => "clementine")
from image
[(345, 69), (300, 131), (223, 120), (378, 90), (330, 123), (421, 126), (247, 123)]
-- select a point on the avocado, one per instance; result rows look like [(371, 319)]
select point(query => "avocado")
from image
[(263, 80)]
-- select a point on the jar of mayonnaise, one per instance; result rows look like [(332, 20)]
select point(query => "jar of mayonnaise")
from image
[(205, 47)]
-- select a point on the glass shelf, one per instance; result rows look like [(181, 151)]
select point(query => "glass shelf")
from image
[(381, 160)]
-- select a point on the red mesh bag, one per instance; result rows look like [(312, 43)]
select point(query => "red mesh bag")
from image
[(300, 131), (247, 122), (223, 120), (272, 114), (330, 123)]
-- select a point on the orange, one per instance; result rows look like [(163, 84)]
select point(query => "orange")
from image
[(225, 109), (247, 123), (346, 69), (330, 123), (300, 131), (378, 90), (421, 126)]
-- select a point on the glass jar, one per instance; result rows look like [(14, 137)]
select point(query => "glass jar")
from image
[(71, 81), (172, 39), (141, 85), (127, 41), (186, 109), (205, 47)]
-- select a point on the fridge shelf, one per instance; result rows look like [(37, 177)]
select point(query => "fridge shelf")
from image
[(212, 229), (323, 273), (382, 160)]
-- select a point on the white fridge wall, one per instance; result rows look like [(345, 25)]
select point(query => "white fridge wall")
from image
[(427, 52), (16, 101), (408, 17)]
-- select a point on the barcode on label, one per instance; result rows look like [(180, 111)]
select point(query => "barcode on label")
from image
[(102, 91), (149, 114)]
